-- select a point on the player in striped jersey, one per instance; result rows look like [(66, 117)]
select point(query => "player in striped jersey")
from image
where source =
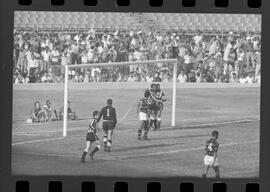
[(152, 99), (210, 158), (159, 104), (142, 111), (92, 138)]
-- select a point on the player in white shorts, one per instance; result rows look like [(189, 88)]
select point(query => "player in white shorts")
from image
[(210, 158), (142, 111)]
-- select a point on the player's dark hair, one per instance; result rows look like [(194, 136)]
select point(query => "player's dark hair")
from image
[(95, 113), (36, 103), (152, 85), (109, 102), (158, 85), (214, 133), (146, 94)]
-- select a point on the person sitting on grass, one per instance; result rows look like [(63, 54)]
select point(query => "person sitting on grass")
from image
[(36, 114), (71, 115), (50, 114)]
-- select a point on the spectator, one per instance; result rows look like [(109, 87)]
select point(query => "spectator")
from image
[(182, 77)]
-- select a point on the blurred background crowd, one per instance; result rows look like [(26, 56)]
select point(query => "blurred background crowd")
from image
[(39, 56)]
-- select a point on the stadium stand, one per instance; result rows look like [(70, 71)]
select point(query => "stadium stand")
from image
[(209, 47)]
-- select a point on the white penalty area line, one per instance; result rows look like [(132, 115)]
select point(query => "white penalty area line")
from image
[(114, 158), (128, 130), (185, 150), (36, 141)]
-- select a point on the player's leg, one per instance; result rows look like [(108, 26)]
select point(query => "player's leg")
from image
[(95, 149), (109, 143), (146, 129), (142, 123), (159, 116), (207, 162), (216, 169), (105, 137), (85, 151), (206, 168)]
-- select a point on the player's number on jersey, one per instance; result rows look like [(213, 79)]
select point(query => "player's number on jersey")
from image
[(108, 112), (210, 147)]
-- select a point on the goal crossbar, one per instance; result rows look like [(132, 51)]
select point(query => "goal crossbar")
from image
[(170, 61), (122, 63)]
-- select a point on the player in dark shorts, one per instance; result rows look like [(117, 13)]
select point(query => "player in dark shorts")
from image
[(153, 107), (159, 105), (210, 158), (109, 122), (142, 111), (91, 138)]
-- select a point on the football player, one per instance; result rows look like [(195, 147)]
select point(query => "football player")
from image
[(142, 111), (152, 102), (159, 105), (109, 122), (210, 158), (91, 138)]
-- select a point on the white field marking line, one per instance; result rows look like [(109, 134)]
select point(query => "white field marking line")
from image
[(129, 109), (134, 156), (256, 118), (185, 150), (35, 141)]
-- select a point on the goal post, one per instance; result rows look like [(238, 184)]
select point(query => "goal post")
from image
[(67, 67)]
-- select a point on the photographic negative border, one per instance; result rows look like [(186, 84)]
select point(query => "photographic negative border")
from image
[(41, 183)]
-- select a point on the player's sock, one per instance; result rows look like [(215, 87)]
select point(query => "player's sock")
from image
[(145, 137), (159, 123), (105, 142), (83, 156), (155, 124), (93, 152), (109, 144), (139, 133), (151, 122)]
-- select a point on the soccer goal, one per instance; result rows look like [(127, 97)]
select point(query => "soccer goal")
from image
[(171, 62)]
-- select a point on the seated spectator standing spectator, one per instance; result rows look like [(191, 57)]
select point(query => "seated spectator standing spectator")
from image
[(36, 115), (250, 78), (55, 56), (49, 113), (71, 115), (182, 77)]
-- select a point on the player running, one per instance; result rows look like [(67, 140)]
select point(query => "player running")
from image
[(92, 138), (210, 159), (159, 104), (142, 111), (109, 122)]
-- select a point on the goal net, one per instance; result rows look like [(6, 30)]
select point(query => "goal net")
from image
[(88, 86)]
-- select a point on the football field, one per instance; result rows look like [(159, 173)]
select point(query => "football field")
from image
[(233, 110)]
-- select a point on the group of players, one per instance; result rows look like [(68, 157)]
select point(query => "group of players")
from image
[(149, 111)]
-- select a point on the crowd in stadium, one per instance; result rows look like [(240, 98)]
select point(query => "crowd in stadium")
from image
[(39, 57)]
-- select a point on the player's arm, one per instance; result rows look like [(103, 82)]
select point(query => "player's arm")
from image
[(138, 108), (153, 96), (100, 114), (215, 157), (114, 116), (163, 95), (215, 154)]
